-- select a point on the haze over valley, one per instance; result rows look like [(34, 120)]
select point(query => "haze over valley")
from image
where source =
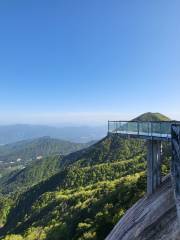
[(78, 134)]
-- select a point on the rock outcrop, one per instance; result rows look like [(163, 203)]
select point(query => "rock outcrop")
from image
[(152, 217)]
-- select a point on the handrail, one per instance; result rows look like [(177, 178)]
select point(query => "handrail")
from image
[(171, 121), (161, 129)]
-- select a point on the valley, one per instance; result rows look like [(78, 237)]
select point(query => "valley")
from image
[(77, 196), (18, 155)]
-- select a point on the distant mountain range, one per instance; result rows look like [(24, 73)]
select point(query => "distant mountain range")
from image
[(82, 134)]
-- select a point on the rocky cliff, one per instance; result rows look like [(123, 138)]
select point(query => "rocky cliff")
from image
[(152, 217)]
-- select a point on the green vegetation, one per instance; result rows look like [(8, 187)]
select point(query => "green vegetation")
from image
[(28, 150), (17, 171), (82, 200), (152, 117), (80, 213), (39, 170), (5, 170), (80, 196), (109, 150), (5, 205)]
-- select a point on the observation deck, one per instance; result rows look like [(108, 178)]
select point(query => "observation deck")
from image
[(152, 130)]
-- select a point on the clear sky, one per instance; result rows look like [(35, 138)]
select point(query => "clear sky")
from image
[(88, 60)]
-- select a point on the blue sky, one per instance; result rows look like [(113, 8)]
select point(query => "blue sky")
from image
[(88, 61)]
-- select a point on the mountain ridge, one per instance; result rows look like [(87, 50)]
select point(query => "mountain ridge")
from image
[(30, 149), (91, 191)]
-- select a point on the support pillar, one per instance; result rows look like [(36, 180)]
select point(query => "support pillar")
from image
[(153, 165)]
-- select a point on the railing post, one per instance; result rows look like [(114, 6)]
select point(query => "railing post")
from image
[(148, 129), (151, 129), (160, 129)]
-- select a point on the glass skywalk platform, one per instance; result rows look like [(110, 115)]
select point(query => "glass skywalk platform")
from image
[(157, 130)]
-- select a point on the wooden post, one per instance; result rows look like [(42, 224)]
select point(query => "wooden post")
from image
[(153, 165)]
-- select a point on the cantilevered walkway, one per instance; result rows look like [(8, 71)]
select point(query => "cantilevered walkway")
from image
[(154, 132)]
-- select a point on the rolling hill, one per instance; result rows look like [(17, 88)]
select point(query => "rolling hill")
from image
[(149, 116), (28, 150), (91, 190), (107, 151), (97, 172), (22, 179)]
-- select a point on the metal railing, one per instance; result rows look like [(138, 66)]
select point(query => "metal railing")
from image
[(160, 129)]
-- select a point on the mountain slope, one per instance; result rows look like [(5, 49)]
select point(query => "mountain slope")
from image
[(112, 159), (39, 170), (79, 213), (109, 150), (149, 116), (152, 217), (30, 149), (84, 200)]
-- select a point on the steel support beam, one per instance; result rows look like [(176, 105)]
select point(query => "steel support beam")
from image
[(154, 153)]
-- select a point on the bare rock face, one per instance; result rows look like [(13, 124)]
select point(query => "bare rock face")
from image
[(153, 217)]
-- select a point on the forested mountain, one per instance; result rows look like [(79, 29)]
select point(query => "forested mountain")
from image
[(83, 200), (149, 116), (28, 150), (39, 170), (97, 172), (102, 154)]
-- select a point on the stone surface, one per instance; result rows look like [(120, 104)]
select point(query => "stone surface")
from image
[(152, 217)]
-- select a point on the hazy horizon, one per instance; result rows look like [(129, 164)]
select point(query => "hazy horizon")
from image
[(79, 119)]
